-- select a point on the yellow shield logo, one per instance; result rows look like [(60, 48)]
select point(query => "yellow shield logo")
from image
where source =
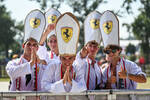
[(107, 27), (66, 33), (52, 19), (34, 22), (94, 23)]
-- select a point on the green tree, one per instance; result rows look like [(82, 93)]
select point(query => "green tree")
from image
[(7, 29), (130, 49), (141, 25)]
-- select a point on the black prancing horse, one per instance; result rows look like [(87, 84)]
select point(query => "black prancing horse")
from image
[(52, 18), (107, 26), (95, 22), (35, 21), (66, 33)]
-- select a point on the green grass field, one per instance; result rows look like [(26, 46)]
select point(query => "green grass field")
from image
[(140, 85), (4, 79), (144, 85)]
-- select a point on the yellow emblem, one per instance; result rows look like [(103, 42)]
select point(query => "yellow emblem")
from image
[(34, 22), (94, 23), (107, 27), (66, 33), (52, 19)]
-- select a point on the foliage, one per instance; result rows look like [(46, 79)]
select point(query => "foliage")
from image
[(141, 25), (130, 49), (8, 31)]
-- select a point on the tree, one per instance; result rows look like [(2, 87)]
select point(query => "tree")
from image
[(130, 49), (7, 28), (81, 9), (141, 25)]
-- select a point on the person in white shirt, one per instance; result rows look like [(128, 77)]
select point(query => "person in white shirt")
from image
[(51, 17), (87, 55), (22, 70), (64, 76), (119, 73), (26, 72)]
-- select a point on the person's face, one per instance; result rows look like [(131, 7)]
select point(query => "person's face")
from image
[(92, 49), (52, 43), (67, 60), (111, 55), (29, 45)]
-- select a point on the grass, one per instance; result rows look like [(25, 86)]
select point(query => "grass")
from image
[(144, 85), (4, 79)]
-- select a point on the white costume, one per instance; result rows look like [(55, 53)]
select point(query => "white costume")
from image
[(127, 65), (47, 55), (51, 17), (23, 76), (52, 81), (67, 33), (92, 74), (20, 68), (109, 25)]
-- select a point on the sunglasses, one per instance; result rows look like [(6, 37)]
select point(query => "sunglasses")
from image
[(110, 51)]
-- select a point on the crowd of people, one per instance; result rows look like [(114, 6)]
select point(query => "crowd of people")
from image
[(63, 69)]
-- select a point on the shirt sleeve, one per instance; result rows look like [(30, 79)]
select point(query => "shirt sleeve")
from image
[(133, 68), (14, 70), (78, 84), (48, 82), (42, 52)]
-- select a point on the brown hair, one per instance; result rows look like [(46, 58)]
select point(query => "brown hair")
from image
[(112, 47)]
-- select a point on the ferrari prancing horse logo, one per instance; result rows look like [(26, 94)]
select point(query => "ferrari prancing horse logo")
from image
[(94, 23), (52, 19), (107, 27), (34, 22), (66, 33)]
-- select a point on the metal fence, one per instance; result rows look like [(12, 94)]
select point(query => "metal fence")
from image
[(89, 95)]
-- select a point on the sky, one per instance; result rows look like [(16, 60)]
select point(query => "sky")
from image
[(20, 8)]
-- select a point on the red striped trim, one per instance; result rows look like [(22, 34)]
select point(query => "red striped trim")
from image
[(52, 56), (35, 85)]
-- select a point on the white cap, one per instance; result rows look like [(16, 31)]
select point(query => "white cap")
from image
[(34, 25), (109, 26), (91, 27), (51, 17), (67, 32)]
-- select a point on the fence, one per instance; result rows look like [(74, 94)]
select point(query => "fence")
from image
[(89, 95)]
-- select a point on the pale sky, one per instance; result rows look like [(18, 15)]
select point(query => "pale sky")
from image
[(20, 8)]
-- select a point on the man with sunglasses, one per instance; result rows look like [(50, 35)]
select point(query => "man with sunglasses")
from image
[(26, 72), (119, 73)]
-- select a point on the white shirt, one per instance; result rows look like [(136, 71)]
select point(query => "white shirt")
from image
[(20, 68), (131, 68), (94, 73), (47, 55), (52, 81)]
